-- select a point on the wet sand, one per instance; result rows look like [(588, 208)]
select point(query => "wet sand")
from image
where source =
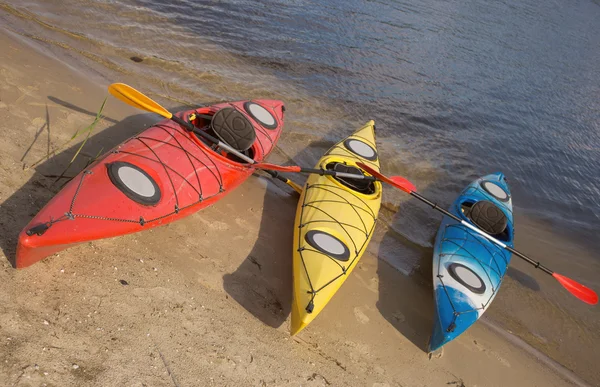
[(206, 300)]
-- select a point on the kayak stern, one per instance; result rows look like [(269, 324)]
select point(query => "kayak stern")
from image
[(299, 319), (28, 252), (448, 323)]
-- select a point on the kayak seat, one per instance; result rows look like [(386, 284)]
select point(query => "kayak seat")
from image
[(363, 186), (488, 217), (204, 123), (233, 128)]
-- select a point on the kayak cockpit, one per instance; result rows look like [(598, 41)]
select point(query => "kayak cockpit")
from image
[(231, 127), (365, 187), (488, 217)]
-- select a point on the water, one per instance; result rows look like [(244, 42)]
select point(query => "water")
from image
[(458, 89)]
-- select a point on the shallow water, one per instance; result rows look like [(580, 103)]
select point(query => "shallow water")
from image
[(457, 89)]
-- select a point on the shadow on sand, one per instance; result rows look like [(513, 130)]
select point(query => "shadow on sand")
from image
[(263, 282), (406, 301), (18, 209), (523, 278)]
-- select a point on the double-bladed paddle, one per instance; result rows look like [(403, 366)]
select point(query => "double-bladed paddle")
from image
[(580, 291), (132, 97), (135, 98), (318, 171)]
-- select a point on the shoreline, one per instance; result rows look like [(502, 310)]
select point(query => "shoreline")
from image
[(215, 276), (566, 373)]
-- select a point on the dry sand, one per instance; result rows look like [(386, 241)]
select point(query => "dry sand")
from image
[(206, 300)]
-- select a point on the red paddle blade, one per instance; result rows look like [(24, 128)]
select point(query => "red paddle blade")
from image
[(584, 293), (275, 167), (396, 181), (402, 182)]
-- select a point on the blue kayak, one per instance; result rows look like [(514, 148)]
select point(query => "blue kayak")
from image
[(467, 268)]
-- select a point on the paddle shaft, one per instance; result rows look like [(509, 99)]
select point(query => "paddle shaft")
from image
[(287, 181), (337, 174), (221, 144), (318, 171), (580, 291), (482, 233), (210, 138)]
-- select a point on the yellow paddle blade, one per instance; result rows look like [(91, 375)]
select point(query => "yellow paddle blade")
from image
[(295, 186), (132, 97)]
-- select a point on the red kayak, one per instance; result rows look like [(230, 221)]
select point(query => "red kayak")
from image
[(156, 177)]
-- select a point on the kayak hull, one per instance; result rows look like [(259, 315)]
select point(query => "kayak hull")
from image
[(333, 226), (156, 177), (467, 268)]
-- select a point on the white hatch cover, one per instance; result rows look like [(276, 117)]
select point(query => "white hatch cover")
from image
[(134, 182), (495, 190), (466, 277), (328, 244), (361, 148), (261, 115)]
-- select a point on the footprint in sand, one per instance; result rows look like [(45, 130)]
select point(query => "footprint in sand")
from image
[(241, 222), (492, 354), (374, 284), (360, 316), (437, 354), (215, 224)]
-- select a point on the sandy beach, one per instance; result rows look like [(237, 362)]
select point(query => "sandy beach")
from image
[(206, 300)]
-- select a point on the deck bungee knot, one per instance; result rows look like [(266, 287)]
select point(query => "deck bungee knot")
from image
[(39, 230)]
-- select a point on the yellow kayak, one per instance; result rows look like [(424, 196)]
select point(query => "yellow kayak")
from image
[(334, 223)]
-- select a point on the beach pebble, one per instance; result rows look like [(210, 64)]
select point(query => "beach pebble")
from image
[(399, 316), (75, 366)]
